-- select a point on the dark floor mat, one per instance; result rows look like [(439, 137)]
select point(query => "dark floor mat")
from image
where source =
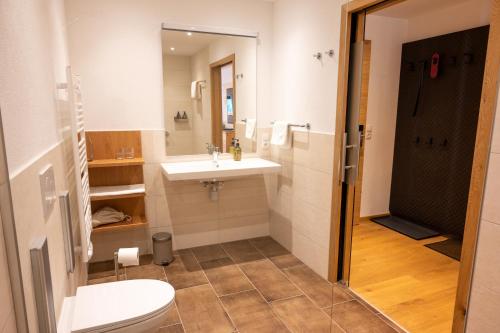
[(451, 247), (405, 227)]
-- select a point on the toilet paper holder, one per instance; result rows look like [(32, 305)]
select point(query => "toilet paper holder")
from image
[(117, 261)]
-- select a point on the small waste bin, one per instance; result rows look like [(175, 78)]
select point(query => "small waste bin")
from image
[(162, 248)]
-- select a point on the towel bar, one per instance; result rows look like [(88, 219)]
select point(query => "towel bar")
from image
[(306, 125)]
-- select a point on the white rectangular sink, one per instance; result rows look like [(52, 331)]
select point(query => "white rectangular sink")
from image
[(207, 169)]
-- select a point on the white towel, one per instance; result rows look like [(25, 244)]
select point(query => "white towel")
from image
[(250, 128), (195, 90), (280, 136)]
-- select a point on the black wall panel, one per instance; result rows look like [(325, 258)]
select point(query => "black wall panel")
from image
[(436, 129)]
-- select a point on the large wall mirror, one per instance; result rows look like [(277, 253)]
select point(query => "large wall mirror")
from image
[(210, 89)]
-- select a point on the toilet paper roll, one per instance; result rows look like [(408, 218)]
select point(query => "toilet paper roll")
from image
[(128, 256)]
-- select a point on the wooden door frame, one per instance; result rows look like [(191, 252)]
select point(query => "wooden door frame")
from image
[(480, 159), (216, 97)]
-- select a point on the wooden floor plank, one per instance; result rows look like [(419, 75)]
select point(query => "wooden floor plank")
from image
[(405, 280)]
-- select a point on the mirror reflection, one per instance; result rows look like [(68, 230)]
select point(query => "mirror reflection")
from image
[(210, 92)]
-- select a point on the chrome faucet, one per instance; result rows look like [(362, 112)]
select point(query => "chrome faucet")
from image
[(215, 156), (210, 148)]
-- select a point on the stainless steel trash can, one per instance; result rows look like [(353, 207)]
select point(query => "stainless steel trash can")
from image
[(162, 248)]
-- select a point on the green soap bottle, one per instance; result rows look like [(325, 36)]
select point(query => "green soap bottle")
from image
[(237, 152), (231, 147)]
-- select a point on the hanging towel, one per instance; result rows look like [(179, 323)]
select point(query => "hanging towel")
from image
[(281, 135), (195, 90), (250, 128)]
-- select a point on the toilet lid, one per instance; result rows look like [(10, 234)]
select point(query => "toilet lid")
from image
[(116, 304)]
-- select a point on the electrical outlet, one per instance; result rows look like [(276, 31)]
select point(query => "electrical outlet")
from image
[(47, 189)]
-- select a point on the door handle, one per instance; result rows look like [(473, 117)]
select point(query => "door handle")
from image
[(350, 167)]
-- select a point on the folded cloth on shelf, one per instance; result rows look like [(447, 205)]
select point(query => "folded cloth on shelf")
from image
[(107, 215)]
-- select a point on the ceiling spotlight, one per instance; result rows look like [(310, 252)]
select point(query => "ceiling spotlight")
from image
[(172, 48), (189, 33)]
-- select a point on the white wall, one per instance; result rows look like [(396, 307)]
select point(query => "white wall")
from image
[(33, 55), (177, 90), (462, 16), (7, 315), (485, 292), (202, 115), (386, 36), (303, 88), (123, 84)]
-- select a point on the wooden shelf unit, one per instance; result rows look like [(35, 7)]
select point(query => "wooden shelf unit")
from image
[(105, 170)]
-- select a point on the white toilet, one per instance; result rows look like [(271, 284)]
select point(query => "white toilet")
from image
[(132, 306)]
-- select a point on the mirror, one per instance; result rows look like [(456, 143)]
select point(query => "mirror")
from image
[(210, 90)]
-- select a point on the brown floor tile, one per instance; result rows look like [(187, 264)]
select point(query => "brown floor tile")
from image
[(286, 261), (225, 276), (300, 315), (268, 246), (209, 252), (251, 313), (390, 323), (354, 317), (101, 269), (269, 280), (201, 311), (105, 279), (150, 271), (242, 251), (172, 329), (322, 292), (172, 316), (185, 272)]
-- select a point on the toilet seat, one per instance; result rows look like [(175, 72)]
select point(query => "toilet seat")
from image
[(110, 306)]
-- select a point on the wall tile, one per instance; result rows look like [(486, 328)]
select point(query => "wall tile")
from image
[(312, 186), (313, 150), (491, 204), (7, 307), (485, 296), (10, 325)]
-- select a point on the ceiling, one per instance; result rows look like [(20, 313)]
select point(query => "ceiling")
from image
[(413, 8), (184, 44)]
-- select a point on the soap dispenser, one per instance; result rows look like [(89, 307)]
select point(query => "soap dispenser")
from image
[(237, 151), (231, 147)]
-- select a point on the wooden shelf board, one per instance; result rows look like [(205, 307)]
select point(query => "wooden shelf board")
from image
[(136, 223), (100, 193), (117, 196), (108, 163)]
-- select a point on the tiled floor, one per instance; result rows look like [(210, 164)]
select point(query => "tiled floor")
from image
[(252, 285)]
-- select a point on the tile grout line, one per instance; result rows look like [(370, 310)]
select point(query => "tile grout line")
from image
[(256, 289), (273, 264), (296, 286), (235, 329), (175, 301)]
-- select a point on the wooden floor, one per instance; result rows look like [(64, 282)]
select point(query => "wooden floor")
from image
[(410, 283)]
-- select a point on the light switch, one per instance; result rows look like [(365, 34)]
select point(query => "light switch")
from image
[(369, 132), (265, 141), (48, 189)]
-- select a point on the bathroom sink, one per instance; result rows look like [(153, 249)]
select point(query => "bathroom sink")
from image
[(207, 169)]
